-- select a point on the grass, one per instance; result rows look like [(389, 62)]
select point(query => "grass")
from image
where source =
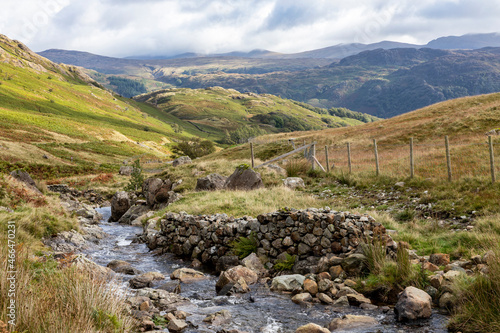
[(479, 301)]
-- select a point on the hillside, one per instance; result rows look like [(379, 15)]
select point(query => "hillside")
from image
[(217, 112), (56, 120)]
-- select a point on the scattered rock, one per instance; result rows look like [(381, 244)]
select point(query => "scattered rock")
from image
[(357, 299), (325, 298), (291, 283), (310, 286), (176, 325), (302, 298), (67, 241), (400, 184), (123, 267), (413, 303), (218, 318), (120, 203), (277, 169), (448, 301), (311, 328), (187, 275), (253, 263), (145, 280), (244, 179), (440, 259), (212, 182), (126, 170), (133, 214), (181, 161), (86, 265), (342, 301), (294, 182), (350, 322), (239, 276)]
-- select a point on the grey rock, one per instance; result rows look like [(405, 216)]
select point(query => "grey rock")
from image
[(294, 182), (413, 303), (212, 182), (126, 170), (351, 322), (293, 282), (120, 203), (181, 161), (244, 179)]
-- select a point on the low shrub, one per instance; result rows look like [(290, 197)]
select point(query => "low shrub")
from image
[(244, 246)]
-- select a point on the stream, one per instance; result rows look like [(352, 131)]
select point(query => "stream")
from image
[(258, 311)]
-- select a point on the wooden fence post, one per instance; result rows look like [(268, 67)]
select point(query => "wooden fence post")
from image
[(313, 156), (492, 160), (251, 152), (412, 165), (376, 157), (349, 157), (448, 157), (327, 161)]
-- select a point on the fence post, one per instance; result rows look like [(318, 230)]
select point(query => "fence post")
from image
[(327, 161), (305, 151), (376, 157), (412, 165), (313, 155), (251, 152), (349, 157), (492, 160), (448, 157)]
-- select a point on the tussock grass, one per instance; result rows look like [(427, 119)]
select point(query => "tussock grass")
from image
[(479, 301), (241, 203), (50, 299)]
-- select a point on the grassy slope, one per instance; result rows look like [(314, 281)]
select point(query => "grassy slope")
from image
[(216, 109), (50, 109)]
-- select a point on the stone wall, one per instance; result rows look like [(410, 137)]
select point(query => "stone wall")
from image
[(305, 233)]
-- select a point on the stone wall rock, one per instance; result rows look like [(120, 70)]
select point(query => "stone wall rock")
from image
[(308, 234)]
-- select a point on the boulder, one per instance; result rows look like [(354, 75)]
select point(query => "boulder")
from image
[(120, 203), (310, 286), (226, 262), (212, 182), (181, 161), (294, 182), (244, 179), (239, 276), (413, 303), (291, 283), (123, 267), (312, 328), (67, 241), (354, 265), (187, 275), (253, 263), (351, 322), (24, 177), (86, 265), (133, 214), (126, 170), (324, 298), (357, 299), (156, 190), (145, 280)]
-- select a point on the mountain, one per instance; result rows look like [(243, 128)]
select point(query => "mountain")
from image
[(466, 42), (217, 111)]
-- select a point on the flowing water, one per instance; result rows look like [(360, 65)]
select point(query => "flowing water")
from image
[(258, 311)]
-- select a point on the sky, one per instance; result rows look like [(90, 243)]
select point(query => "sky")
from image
[(121, 28)]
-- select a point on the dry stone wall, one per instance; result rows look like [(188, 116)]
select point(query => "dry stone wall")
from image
[(305, 233)]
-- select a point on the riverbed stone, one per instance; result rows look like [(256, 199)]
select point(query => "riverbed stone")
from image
[(218, 318), (324, 298), (310, 286), (176, 325), (312, 328), (123, 267), (291, 283), (413, 303), (357, 299), (187, 275), (342, 301), (302, 298), (120, 203), (253, 263), (145, 280), (351, 322), (239, 276)]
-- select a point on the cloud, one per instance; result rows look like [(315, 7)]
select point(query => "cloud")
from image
[(168, 27)]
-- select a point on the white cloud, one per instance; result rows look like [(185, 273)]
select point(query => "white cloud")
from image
[(135, 27)]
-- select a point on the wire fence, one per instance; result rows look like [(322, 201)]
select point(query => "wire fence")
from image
[(466, 158)]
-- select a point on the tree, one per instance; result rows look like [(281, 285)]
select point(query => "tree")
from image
[(194, 147), (136, 178)]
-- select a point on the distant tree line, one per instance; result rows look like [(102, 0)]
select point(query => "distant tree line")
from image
[(241, 135), (127, 87)]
